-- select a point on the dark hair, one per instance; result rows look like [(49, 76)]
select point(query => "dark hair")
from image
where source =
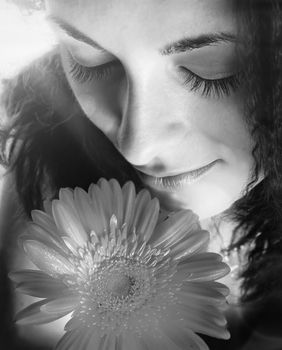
[(49, 143), (259, 212)]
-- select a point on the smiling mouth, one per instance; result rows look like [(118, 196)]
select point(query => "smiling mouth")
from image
[(175, 182)]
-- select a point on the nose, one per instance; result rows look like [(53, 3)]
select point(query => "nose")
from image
[(147, 128), (135, 133)]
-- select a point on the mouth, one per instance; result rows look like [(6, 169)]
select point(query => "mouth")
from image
[(172, 183)]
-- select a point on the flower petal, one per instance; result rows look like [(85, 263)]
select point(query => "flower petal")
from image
[(201, 267), (65, 304), (107, 197), (183, 338), (79, 339), (35, 231), (149, 220), (117, 201), (142, 200), (97, 202), (96, 342), (129, 341), (67, 220), (193, 244), (47, 259), (109, 343), (44, 220), (199, 309), (174, 227), (67, 341), (66, 196), (84, 209), (220, 287), (199, 324), (200, 291), (37, 284), (72, 324), (157, 340), (33, 315), (129, 195)]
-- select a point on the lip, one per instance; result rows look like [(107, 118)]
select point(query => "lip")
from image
[(172, 183)]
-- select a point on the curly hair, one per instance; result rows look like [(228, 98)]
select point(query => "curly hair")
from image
[(49, 143), (259, 212)]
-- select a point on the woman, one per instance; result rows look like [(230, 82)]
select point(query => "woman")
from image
[(183, 97)]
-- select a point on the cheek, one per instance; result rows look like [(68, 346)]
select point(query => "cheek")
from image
[(223, 121), (101, 111), (101, 105), (99, 101)]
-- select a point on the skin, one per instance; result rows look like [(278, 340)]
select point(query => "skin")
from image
[(160, 125)]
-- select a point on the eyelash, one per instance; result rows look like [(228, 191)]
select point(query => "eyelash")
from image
[(84, 74), (218, 87)]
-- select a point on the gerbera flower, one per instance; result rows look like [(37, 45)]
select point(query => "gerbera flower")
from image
[(131, 279)]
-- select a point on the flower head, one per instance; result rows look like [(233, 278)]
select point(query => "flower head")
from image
[(130, 278)]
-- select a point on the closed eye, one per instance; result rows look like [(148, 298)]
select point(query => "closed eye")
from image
[(208, 87), (84, 74)]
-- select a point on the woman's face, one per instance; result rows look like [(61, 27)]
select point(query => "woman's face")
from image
[(160, 79)]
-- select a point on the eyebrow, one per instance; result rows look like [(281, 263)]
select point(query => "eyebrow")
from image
[(180, 46), (188, 44)]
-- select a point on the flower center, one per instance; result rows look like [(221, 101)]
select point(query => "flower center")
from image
[(119, 285), (124, 289)]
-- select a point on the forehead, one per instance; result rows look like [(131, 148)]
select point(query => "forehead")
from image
[(153, 21)]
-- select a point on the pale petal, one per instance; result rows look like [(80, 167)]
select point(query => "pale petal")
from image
[(184, 338), (193, 244), (96, 342), (52, 239), (72, 246), (174, 227), (44, 220), (91, 341), (157, 340), (199, 309), (149, 220), (220, 287), (142, 200), (200, 291), (68, 222), (80, 339), (66, 196), (72, 324), (201, 325), (32, 315), (109, 343), (47, 259), (164, 215), (66, 342), (107, 197), (201, 267), (65, 304), (129, 195), (117, 201), (129, 341), (97, 202), (37, 283), (85, 210)]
